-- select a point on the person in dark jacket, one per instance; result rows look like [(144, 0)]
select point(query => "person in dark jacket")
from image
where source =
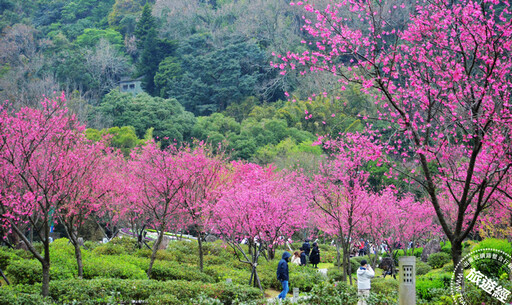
[(306, 247), (282, 274), (303, 259), (314, 258)]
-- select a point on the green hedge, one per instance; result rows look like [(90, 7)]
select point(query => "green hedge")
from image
[(427, 283), (10, 296), (422, 268), (333, 294), (491, 267), (165, 271), (27, 271), (143, 289), (116, 291), (438, 260)]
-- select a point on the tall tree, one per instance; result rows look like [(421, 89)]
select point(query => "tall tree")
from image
[(444, 80), (39, 171), (340, 193), (157, 176), (204, 189), (262, 207), (146, 24)]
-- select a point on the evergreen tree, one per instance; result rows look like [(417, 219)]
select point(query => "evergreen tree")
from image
[(148, 63), (144, 26)]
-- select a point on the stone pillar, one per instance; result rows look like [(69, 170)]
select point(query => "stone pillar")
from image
[(295, 294), (407, 288)]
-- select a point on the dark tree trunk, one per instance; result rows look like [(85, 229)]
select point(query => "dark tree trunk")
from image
[(201, 254), (155, 249), (456, 251), (79, 263)]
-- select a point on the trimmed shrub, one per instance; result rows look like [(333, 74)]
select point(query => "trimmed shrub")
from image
[(384, 286), (491, 267), (12, 297), (304, 278), (111, 267), (425, 284), (102, 291), (166, 298), (27, 271), (437, 260), (165, 271), (91, 245), (6, 256), (422, 268), (108, 249), (356, 262), (446, 247), (333, 294), (335, 275), (448, 267)]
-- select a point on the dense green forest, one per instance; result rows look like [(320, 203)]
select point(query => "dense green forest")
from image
[(204, 67)]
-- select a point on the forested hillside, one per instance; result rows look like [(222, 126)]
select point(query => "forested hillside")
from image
[(204, 67)]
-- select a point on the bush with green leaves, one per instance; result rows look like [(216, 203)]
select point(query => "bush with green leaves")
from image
[(27, 271), (98, 291), (426, 283), (335, 274), (10, 296), (166, 270), (304, 278), (333, 294), (489, 266), (109, 249), (446, 247), (109, 266), (6, 256), (438, 260), (438, 296), (384, 286), (448, 267), (422, 268)]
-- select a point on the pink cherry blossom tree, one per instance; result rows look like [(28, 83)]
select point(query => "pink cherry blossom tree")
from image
[(443, 79), (158, 176), (340, 193), (262, 207), (208, 175), (399, 219), (81, 183), (40, 152)]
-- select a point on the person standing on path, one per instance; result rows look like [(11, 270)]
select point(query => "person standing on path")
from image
[(282, 274), (307, 248), (314, 259), (364, 274)]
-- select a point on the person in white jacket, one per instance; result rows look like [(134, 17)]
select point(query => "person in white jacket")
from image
[(364, 274)]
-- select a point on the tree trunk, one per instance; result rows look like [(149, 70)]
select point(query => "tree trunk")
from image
[(338, 255), (45, 289), (271, 253), (456, 252), (256, 278), (79, 263), (155, 249), (73, 237), (201, 254)]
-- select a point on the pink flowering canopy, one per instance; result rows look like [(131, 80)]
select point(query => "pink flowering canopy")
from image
[(443, 81), (261, 203)]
